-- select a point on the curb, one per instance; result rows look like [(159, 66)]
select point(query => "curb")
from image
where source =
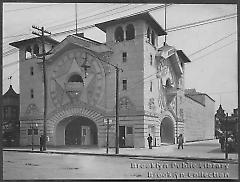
[(217, 160)]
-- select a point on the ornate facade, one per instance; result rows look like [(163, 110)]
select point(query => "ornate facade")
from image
[(81, 86)]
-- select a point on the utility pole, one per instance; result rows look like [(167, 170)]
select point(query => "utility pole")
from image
[(226, 137), (44, 82), (117, 108), (117, 69)]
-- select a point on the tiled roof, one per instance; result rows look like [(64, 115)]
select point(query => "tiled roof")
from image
[(11, 92)]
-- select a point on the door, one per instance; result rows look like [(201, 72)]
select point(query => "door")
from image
[(122, 136), (72, 134), (86, 135)]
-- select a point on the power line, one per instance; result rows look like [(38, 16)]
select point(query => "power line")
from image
[(213, 43), (199, 23), (15, 62), (214, 51), (19, 35), (20, 9), (12, 36), (169, 30), (70, 22), (93, 25), (63, 23), (224, 92)]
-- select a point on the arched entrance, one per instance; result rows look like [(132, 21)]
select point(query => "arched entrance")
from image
[(167, 131), (76, 130)]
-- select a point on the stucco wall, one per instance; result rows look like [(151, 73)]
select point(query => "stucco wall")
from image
[(198, 120)]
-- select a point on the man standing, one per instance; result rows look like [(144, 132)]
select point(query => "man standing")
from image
[(149, 138), (180, 141), (41, 142)]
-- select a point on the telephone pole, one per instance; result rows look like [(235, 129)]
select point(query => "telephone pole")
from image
[(117, 110), (42, 36)]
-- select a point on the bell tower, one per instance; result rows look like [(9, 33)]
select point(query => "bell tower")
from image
[(134, 41)]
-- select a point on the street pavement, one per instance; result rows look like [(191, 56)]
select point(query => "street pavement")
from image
[(47, 166), (204, 150)]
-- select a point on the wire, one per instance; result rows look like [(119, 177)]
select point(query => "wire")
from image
[(91, 26), (11, 74), (199, 23), (213, 51), (225, 92), (12, 36), (70, 22), (213, 43), (20, 9)]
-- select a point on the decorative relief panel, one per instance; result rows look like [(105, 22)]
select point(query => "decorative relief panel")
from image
[(166, 85), (32, 110), (78, 77), (151, 104), (126, 104)]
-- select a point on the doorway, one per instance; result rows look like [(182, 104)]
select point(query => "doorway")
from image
[(167, 131), (79, 131), (122, 137)]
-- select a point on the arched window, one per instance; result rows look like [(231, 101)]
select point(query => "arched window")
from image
[(153, 38), (36, 50), (28, 52), (119, 34), (75, 78), (148, 35), (130, 32)]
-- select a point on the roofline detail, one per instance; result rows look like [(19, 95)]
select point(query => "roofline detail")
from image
[(145, 16)]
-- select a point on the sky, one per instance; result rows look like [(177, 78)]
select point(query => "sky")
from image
[(206, 33)]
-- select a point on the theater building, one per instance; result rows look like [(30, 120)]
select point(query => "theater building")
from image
[(81, 87)]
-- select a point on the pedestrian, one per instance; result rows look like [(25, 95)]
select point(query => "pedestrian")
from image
[(123, 141), (41, 142), (149, 139), (222, 141), (180, 141)]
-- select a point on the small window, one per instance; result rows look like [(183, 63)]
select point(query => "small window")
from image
[(75, 78), (130, 32), (148, 35), (32, 94), (29, 131), (124, 84), (129, 130), (153, 38), (31, 70), (151, 86), (35, 131), (36, 50), (151, 59), (119, 34), (124, 55), (28, 52)]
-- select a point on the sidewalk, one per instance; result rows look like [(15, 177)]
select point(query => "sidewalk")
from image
[(201, 150)]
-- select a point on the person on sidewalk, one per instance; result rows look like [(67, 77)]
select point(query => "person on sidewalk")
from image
[(180, 141), (149, 139), (41, 142)]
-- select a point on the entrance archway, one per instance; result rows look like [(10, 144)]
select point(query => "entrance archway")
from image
[(167, 131), (76, 130)]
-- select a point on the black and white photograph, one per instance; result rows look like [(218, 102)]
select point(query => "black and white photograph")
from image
[(116, 91)]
